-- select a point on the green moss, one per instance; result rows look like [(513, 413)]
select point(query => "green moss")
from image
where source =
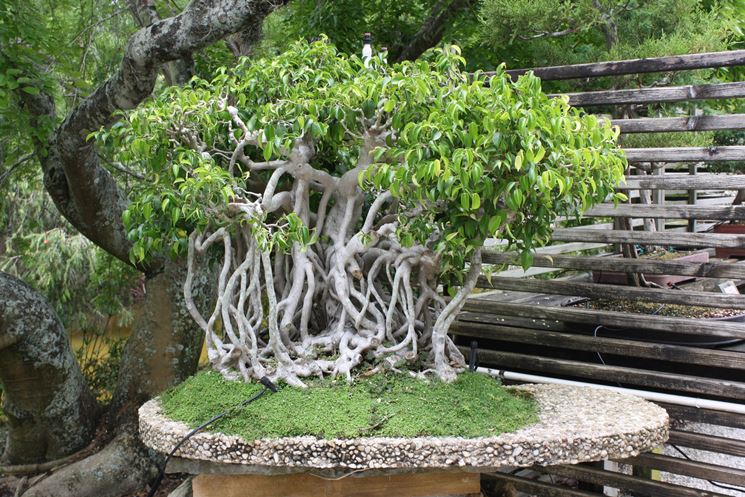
[(474, 405)]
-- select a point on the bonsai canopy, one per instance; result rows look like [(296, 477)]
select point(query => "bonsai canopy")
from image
[(576, 425)]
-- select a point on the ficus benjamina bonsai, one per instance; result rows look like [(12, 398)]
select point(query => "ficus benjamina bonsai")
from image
[(339, 198)]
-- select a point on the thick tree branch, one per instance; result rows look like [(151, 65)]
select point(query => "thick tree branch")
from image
[(85, 192), (177, 72), (242, 43), (430, 34)]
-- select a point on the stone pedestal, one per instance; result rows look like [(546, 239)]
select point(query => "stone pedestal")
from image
[(577, 424)]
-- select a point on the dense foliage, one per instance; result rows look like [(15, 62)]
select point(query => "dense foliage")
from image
[(369, 186)]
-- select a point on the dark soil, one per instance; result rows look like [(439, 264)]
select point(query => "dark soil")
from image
[(9, 484), (671, 310)]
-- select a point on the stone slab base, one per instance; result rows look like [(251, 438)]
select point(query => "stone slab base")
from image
[(451, 484), (576, 425)]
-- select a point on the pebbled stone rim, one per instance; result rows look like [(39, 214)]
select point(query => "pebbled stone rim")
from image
[(577, 424)]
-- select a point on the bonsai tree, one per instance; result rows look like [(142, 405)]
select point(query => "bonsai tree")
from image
[(339, 197)]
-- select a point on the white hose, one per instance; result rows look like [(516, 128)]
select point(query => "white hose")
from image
[(680, 400)]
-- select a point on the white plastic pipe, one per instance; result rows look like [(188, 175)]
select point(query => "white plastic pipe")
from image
[(367, 49), (680, 400)]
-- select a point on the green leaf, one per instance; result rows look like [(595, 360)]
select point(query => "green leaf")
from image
[(494, 223), (465, 201), (539, 154), (519, 160), (475, 201)]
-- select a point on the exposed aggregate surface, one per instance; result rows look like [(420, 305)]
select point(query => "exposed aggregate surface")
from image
[(576, 424)]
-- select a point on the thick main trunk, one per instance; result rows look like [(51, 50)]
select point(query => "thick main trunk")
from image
[(165, 345), (51, 412), (122, 468)]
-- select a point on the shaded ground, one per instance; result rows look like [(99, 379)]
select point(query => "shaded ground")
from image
[(9, 485)]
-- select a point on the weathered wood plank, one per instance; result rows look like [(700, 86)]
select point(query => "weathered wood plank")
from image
[(700, 415), (559, 248), (467, 318), (721, 213), (686, 182), (650, 266), (507, 482), (680, 466), (488, 311), (615, 374), (656, 95), (598, 290), (613, 346), (649, 237), (690, 123), (708, 442), (634, 484), (637, 66), (685, 154), (307, 485)]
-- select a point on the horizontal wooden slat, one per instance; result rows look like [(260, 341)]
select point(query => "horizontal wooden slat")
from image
[(680, 466), (602, 291), (638, 486), (700, 415), (484, 310), (685, 154), (649, 266), (723, 240), (626, 348), (535, 487), (722, 213), (637, 66), (625, 376), (657, 95), (691, 123), (708, 442), (686, 182), (559, 248)]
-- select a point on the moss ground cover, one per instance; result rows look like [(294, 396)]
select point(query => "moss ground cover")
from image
[(474, 405)]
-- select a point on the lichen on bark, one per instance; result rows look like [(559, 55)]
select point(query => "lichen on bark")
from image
[(51, 412)]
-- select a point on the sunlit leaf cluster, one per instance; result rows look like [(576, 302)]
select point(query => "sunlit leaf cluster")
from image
[(469, 156)]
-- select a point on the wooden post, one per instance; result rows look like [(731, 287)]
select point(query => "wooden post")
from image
[(658, 196), (692, 197)]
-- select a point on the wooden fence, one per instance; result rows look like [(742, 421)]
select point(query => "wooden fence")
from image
[(525, 323)]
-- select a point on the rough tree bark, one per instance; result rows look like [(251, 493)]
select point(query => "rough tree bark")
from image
[(51, 412), (165, 345), (242, 43), (176, 72)]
